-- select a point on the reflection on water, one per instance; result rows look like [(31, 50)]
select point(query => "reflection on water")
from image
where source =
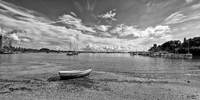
[(121, 75), (22, 64)]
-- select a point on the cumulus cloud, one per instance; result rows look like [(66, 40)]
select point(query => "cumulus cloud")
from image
[(140, 39), (109, 15), (107, 44), (25, 39), (103, 28), (37, 32), (153, 32), (156, 32), (15, 37), (189, 1)]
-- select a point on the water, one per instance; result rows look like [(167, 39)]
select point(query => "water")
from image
[(114, 77), (23, 64)]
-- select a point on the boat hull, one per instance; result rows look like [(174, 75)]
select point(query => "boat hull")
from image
[(73, 74)]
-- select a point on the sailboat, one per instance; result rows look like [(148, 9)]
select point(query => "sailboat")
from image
[(188, 55), (72, 52)]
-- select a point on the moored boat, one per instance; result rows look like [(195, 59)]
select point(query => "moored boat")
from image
[(72, 53), (74, 74)]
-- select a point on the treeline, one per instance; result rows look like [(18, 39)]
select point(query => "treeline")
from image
[(191, 45), (30, 50)]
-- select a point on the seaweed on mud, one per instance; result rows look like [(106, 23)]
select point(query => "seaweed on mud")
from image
[(192, 96), (8, 86), (4, 92), (79, 83), (6, 80), (20, 89), (5, 86), (132, 81), (53, 79)]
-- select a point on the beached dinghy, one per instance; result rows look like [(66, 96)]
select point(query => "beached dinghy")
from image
[(74, 74)]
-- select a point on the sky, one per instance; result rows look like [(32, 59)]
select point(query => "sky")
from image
[(121, 25)]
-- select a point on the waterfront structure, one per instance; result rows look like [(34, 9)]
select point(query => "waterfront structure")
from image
[(163, 54)]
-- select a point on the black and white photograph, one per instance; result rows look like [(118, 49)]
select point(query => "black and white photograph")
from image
[(99, 49)]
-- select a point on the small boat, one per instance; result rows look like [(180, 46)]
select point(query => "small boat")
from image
[(74, 74), (72, 53)]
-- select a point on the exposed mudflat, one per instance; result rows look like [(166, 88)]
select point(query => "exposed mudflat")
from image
[(103, 86)]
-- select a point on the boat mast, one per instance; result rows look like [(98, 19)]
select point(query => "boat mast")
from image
[(74, 46), (188, 46), (70, 45), (77, 37), (1, 39)]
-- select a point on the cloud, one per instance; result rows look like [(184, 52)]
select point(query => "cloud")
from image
[(141, 38), (41, 32), (14, 37), (151, 32), (185, 15), (109, 15), (195, 6), (156, 32), (103, 28), (25, 39), (177, 18), (185, 22), (107, 44), (174, 18), (38, 33), (189, 1), (70, 20), (11, 8), (73, 14)]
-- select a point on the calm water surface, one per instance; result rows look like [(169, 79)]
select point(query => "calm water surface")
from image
[(26, 64)]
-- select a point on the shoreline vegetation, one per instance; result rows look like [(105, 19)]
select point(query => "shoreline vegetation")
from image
[(188, 46), (15, 50), (174, 49)]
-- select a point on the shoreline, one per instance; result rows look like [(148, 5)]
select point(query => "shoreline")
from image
[(165, 55), (102, 86)]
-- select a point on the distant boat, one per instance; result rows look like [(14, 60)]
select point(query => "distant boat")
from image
[(74, 74), (72, 53)]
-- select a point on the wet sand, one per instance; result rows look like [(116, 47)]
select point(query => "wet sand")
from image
[(103, 86)]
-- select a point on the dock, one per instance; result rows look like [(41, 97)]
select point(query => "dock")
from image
[(163, 55)]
